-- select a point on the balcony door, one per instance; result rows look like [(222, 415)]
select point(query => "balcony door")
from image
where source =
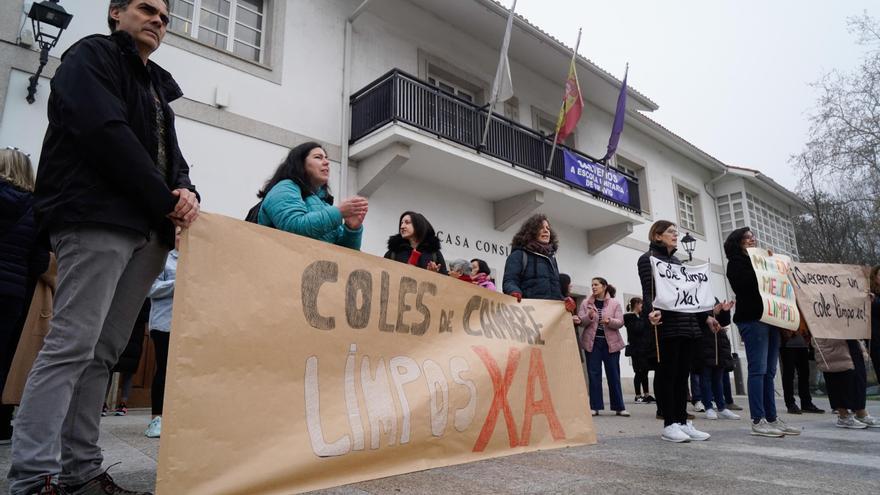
[(455, 119)]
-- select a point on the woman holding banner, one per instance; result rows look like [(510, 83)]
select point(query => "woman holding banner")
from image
[(676, 338), (530, 270), (416, 243), (761, 340), (297, 199), (603, 317)]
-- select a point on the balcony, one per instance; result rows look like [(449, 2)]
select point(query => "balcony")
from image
[(398, 119)]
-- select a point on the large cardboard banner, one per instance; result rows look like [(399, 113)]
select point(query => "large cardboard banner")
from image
[(834, 299), (297, 365), (777, 292), (682, 288)]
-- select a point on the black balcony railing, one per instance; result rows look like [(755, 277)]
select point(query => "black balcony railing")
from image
[(400, 97)]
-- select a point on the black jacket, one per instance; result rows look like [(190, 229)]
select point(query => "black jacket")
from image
[(22, 259), (744, 282), (98, 163), (641, 341), (673, 323), (708, 351), (539, 279), (399, 249)]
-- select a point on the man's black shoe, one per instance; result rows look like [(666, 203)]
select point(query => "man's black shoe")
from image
[(102, 484), (811, 408), (794, 409)]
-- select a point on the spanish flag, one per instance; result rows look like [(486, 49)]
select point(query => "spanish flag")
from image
[(572, 105)]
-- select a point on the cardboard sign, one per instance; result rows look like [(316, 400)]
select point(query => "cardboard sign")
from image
[(297, 365), (777, 291), (834, 299), (682, 288)]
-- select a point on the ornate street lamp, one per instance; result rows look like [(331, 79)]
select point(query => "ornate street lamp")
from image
[(689, 245), (44, 14)]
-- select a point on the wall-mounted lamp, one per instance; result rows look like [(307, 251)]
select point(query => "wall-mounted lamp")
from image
[(690, 244), (44, 14)]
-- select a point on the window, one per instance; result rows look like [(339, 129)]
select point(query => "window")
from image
[(772, 227), (690, 216), (731, 214), (542, 121), (637, 171), (452, 88), (235, 26)]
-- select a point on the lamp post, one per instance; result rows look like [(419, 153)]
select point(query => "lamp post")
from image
[(44, 14), (689, 245)]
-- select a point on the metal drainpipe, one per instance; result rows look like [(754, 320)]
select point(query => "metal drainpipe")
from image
[(345, 129), (737, 371)]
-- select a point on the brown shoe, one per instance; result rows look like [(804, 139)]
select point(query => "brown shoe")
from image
[(102, 484)]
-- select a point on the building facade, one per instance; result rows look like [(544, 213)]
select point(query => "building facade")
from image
[(396, 91)]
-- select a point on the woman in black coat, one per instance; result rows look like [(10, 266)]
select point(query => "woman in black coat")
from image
[(531, 271), (22, 260), (641, 348), (677, 333), (416, 244), (761, 340), (875, 319)]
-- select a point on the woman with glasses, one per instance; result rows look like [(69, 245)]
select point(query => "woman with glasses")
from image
[(676, 335), (761, 340)]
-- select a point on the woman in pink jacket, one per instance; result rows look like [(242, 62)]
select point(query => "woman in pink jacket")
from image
[(602, 317)]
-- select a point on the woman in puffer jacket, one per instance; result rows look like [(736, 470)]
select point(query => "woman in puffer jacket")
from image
[(416, 244), (677, 333), (602, 317)]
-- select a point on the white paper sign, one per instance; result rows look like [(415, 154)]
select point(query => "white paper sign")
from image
[(681, 288)]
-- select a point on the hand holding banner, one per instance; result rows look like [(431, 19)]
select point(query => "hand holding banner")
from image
[(777, 293), (682, 288)]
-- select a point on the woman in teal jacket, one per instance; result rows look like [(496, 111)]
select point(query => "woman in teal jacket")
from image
[(297, 199)]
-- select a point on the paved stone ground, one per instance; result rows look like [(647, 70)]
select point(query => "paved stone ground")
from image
[(629, 458)]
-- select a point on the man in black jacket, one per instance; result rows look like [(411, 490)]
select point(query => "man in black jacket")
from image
[(112, 187)]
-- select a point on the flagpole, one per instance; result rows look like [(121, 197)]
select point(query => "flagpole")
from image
[(494, 95), (562, 107)]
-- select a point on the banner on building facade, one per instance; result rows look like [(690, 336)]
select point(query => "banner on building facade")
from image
[(596, 177), (297, 365), (682, 288), (833, 299), (777, 292)]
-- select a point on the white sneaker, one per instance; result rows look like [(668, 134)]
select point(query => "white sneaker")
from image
[(594, 412), (784, 428), (850, 421), (764, 429), (673, 433), (727, 414), (623, 413), (699, 407), (695, 434), (868, 420), (154, 430), (711, 414)]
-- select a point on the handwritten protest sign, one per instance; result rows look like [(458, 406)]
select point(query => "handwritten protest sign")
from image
[(605, 180), (681, 288), (297, 365), (833, 299), (777, 292)]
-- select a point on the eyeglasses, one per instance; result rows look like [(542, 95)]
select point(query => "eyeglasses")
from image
[(13, 148)]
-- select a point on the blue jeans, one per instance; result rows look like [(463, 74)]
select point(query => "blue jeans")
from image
[(595, 359), (696, 387), (713, 389), (762, 353)]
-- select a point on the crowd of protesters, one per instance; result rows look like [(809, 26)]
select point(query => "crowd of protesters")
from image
[(113, 193)]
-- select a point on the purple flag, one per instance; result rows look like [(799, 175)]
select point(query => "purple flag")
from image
[(619, 114)]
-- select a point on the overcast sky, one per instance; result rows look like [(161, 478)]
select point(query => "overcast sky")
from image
[(731, 77)]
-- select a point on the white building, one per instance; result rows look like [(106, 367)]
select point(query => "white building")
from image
[(260, 76)]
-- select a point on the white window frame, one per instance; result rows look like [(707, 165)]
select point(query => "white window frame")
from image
[(540, 117), (196, 26), (699, 225), (637, 168)]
